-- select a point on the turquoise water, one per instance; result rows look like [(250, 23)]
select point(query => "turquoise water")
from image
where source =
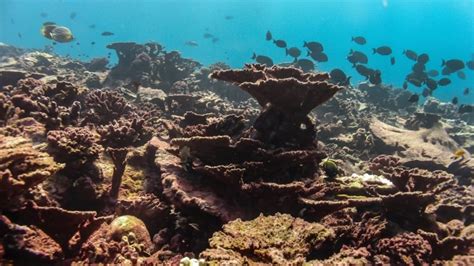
[(442, 28)]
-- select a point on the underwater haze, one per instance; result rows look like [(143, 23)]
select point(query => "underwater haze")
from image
[(442, 29)]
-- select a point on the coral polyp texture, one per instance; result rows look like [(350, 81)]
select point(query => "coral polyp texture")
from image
[(158, 160)]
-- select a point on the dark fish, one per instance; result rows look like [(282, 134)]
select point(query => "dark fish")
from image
[(392, 60), (191, 43), (315, 47), (261, 59), (453, 64), (54, 43), (229, 17), (356, 57), (447, 71), (92, 43), (455, 100), (405, 85), (382, 50), (293, 52), (466, 91), (423, 58), (107, 33), (78, 43), (19, 35), (359, 40), (73, 15), (44, 14), (465, 108), (461, 75), (426, 92), (12, 21), (280, 43), (444, 82), (305, 64), (318, 57), (410, 54), (215, 39), (376, 77), (470, 64), (364, 71), (414, 79), (268, 36), (431, 84), (207, 35), (92, 26), (337, 76), (433, 73), (418, 67), (414, 98)]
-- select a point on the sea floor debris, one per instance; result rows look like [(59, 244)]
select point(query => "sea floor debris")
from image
[(161, 160)]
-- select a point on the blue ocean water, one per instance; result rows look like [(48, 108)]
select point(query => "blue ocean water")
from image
[(444, 29)]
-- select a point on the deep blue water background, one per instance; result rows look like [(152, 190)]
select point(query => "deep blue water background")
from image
[(442, 28)]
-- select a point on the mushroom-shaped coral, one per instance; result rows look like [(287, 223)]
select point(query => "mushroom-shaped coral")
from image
[(287, 96), (278, 239), (74, 144)]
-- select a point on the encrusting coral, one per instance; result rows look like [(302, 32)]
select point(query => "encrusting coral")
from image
[(279, 239)]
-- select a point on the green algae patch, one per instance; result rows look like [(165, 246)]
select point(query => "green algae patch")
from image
[(278, 239)]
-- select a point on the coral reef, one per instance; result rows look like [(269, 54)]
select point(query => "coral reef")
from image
[(162, 161)]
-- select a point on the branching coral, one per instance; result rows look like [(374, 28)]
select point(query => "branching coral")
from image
[(74, 144), (124, 133), (105, 106), (407, 248)]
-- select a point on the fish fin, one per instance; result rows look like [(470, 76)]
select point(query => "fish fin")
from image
[(296, 60), (404, 52), (254, 56), (374, 50)]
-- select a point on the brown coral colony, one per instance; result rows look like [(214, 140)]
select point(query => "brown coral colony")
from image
[(159, 160)]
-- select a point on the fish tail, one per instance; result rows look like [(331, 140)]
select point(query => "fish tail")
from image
[(254, 56), (352, 38), (443, 63), (353, 65), (286, 51), (374, 50), (305, 44), (308, 54)]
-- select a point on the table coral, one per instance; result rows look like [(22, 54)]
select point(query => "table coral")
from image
[(282, 120), (22, 167)]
